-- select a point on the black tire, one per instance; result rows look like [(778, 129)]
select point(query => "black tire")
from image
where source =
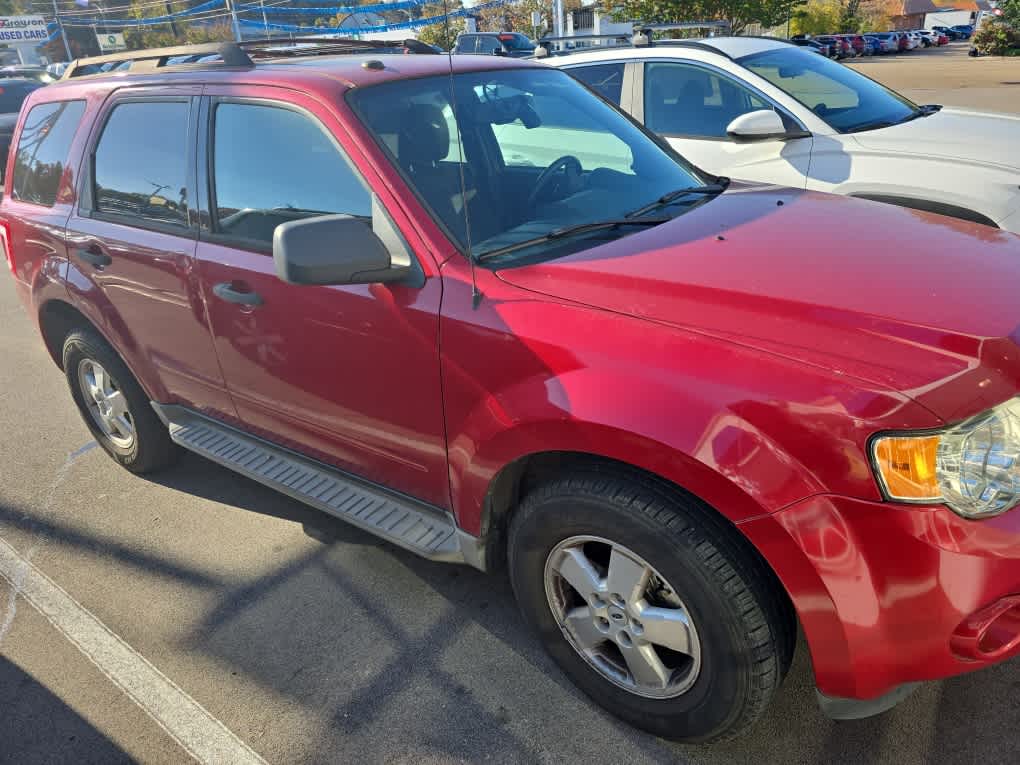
[(151, 448), (746, 628)]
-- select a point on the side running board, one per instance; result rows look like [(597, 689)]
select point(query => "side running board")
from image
[(413, 525)]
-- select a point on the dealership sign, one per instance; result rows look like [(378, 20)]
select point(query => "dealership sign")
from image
[(111, 41), (23, 29)]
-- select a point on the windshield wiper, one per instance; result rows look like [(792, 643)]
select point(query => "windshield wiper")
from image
[(712, 188), (559, 233), (922, 111)]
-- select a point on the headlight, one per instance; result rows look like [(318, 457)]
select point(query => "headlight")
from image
[(973, 467)]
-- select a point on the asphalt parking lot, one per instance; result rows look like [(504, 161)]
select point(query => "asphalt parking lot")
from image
[(194, 611), (948, 76)]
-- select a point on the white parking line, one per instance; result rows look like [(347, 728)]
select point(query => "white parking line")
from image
[(203, 736)]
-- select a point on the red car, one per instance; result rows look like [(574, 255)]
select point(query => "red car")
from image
[(856, 43), (469, 306)]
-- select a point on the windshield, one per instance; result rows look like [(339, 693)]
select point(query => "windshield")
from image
[(540, 153), (844, 99)]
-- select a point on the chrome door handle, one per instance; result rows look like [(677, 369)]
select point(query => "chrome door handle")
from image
[(93, 257), (227, 291)]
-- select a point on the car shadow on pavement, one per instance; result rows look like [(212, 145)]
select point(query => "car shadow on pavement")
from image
[(38, 727), (369, 639)]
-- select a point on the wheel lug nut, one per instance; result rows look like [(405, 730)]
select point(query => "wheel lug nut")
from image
[(624, 639), (597, 601), (602, 623), (616, 600), (636, 626)]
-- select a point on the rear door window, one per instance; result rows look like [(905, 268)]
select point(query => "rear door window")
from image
[(604, 79), (272, 165), (43, 146), (140, 163)]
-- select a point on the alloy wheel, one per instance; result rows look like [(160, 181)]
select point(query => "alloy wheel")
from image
[(106, 403), (622, 617)]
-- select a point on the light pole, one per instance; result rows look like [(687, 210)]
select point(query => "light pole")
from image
[(63, 34)]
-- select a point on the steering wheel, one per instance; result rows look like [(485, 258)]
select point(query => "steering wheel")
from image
[(572, 170)]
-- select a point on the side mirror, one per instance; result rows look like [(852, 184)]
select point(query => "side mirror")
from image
[(757, 126), (334, 249)]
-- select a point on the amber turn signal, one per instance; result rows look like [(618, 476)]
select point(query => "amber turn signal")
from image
[(906, 467)]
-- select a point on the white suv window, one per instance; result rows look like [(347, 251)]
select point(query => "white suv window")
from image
[(687, 100), (563, 131)]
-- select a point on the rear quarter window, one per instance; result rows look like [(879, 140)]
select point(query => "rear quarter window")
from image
[(43, 146)]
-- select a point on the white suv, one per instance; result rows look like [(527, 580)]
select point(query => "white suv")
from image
[(765, 110)]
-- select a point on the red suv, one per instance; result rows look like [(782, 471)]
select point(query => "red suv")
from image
[(469, 306)]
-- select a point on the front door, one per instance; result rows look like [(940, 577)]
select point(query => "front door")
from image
[(348, 374), (691, 106)]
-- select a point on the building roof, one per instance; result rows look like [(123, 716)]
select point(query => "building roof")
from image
[(914, 7)]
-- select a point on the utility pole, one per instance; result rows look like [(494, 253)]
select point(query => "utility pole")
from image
[(170, 12), (233, 16), (63, 34), (265, 22)]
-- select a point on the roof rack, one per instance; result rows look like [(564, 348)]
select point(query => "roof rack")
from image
[(640, 37), (235, 54)]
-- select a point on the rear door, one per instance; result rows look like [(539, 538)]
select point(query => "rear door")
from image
[(132, 244), (346, 374), (692, 104)]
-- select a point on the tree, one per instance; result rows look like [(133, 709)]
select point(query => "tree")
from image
[(739, 13), (996, 38), (817, 17), (444, 35), (1010, 12)]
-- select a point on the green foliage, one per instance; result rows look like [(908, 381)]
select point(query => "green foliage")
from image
[(1010, 12), (739, 13), (443, 35), (817, 17), (996, 38)]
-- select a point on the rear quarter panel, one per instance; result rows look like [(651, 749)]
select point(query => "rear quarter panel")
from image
[(37, 232)]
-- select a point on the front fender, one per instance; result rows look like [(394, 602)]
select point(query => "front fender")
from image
[(747, 431)]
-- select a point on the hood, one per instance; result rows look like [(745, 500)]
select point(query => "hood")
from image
[(915, 303), (954, 133)]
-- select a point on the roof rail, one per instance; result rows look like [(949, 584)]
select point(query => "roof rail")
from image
[(234, 54), (230, 53), (640, 38)]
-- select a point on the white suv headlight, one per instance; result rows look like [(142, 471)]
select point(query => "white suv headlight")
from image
[(973, 467)]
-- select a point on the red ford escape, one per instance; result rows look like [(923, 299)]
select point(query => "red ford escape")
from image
[(470, 307)]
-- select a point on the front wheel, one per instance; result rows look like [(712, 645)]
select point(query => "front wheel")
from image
[(651, 604)]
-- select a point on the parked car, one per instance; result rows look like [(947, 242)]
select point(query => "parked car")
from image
[(903, 43), (949, 32), (964, 31), (765, 110), (38, 73), (856, 43), (943, 38), (837, 49), (513, 44), (687, 423), (811, 44), (13, 92), (914, 40), (884, 42)]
